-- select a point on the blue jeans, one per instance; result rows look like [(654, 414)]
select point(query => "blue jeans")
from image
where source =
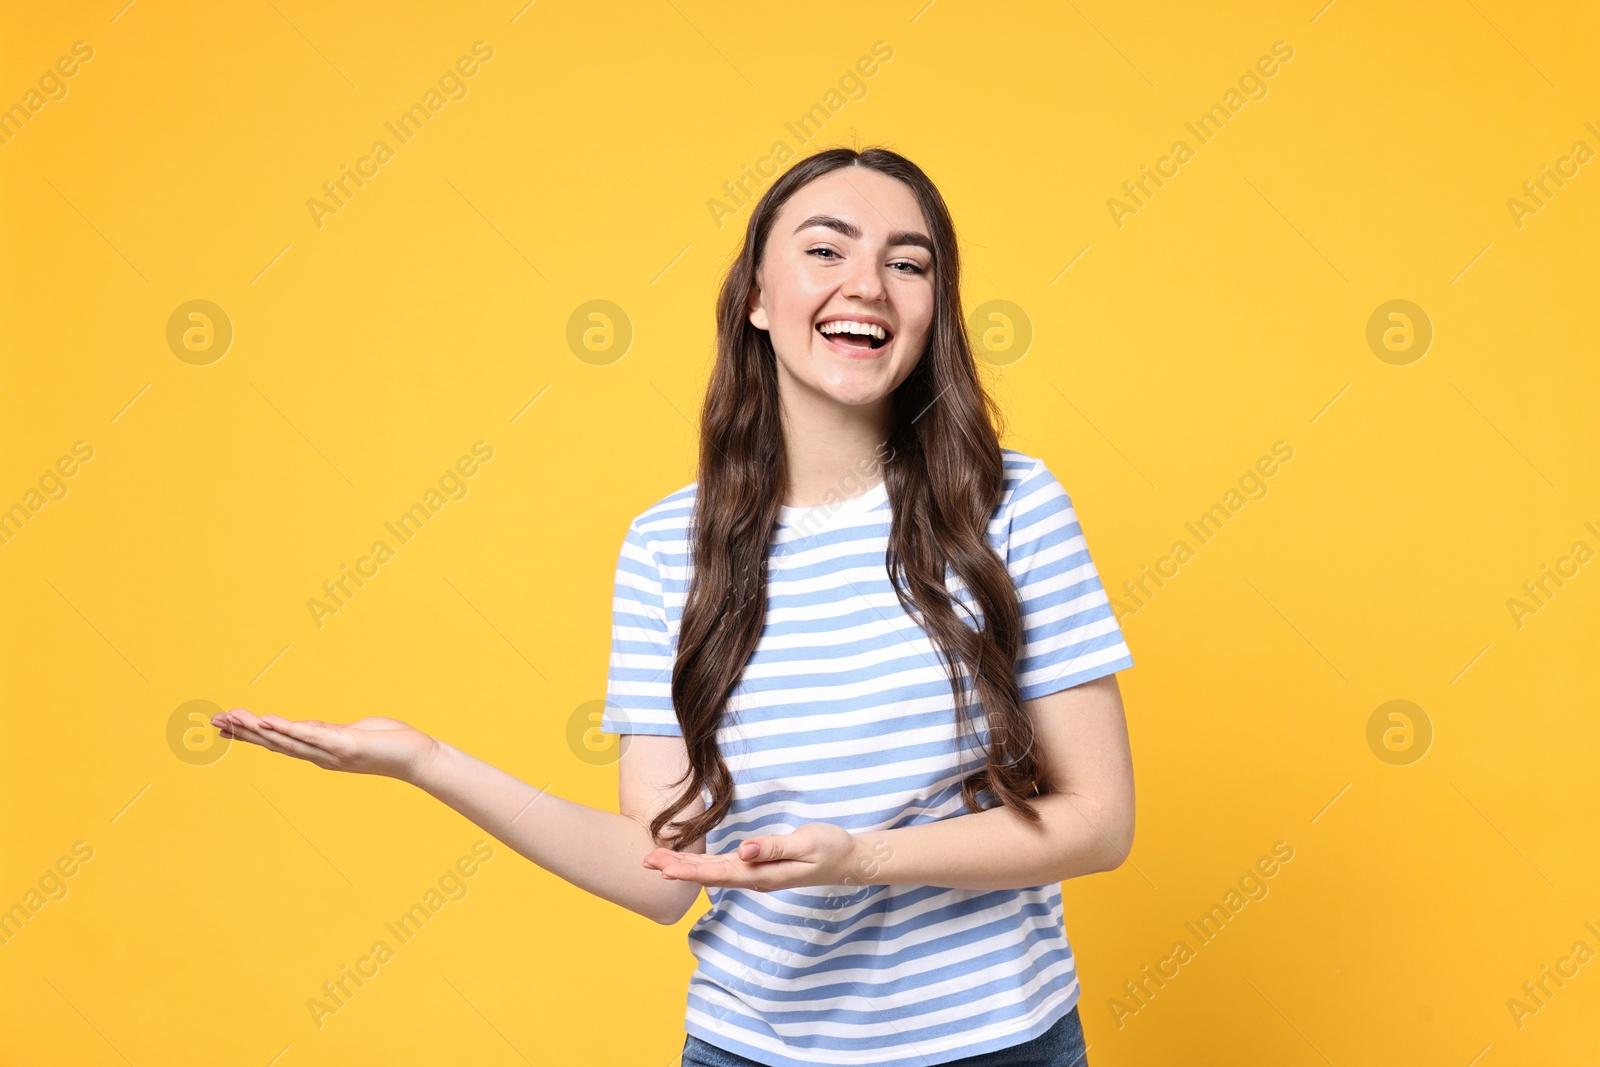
[(1060, 1046)]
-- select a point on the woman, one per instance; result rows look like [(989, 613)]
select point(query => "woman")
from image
[(866, 665)]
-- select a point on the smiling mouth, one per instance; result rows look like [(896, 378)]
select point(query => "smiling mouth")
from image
[(865, 342)]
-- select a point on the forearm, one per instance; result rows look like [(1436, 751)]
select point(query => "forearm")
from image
[(599, 851), (997, 848)]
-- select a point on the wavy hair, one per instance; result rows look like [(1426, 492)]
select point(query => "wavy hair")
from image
[(944, 474)]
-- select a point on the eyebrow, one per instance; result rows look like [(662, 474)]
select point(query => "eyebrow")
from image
[(852, 231)]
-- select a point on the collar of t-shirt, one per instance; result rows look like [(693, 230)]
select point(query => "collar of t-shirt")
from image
[(807, 521)]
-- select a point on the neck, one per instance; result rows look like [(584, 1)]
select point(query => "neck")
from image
[(834, 451)]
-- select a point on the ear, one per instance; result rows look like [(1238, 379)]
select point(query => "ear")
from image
[(755, 307)]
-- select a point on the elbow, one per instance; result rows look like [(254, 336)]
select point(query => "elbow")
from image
[(671, 907), (664, 910), (1110, 826), (1123, 846), (1119, 837)]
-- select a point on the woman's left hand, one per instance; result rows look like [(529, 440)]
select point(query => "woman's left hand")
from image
[(816, 853)]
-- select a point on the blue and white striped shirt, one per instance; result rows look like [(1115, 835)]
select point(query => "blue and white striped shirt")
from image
[(844, 715)]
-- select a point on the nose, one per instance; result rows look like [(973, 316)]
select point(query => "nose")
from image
[(865, 280)]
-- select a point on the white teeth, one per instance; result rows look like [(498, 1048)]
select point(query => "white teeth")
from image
[(865, 329)]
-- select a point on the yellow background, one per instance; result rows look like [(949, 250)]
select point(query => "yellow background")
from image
[(431, 311)]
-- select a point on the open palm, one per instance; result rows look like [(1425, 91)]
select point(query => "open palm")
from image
[(374, 745)]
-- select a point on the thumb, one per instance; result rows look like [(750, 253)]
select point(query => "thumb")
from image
[(760, 848)]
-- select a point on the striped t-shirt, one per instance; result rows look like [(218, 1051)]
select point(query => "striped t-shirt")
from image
[(844, 715)]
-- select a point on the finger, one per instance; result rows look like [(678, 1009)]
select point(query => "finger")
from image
[(696, 859), (294, 746), (270, 740), (761, 849), (244, 717), (726, 873), (259, 737), (699, 866), (313, 734), (240, 719), (705, 874), (239, 731), (273, 734)]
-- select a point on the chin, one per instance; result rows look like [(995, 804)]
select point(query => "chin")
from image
[(855, 398)]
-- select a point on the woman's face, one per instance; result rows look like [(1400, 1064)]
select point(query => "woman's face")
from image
[(850, 245)]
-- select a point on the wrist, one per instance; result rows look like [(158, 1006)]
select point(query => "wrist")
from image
[(871, 852), (858, 868), (428, 769)]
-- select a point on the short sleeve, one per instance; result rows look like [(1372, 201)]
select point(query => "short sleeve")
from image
[(639, 676), (1070, 634)]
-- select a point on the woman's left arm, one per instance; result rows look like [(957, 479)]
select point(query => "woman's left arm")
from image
[(1085, 826), (1086, 822)]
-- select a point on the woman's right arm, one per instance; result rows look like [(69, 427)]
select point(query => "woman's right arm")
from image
[(600, 851), (596, 850)]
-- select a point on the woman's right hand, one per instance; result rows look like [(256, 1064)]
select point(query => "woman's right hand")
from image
[(373, 745)]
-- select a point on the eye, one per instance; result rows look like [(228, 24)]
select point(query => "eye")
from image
[(824, 252)]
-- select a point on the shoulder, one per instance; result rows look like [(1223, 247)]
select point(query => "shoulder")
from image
[(664, 525), (1036, 514), (1029, 483)]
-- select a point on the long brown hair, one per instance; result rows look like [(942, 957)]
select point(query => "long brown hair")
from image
[(945, 476)]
